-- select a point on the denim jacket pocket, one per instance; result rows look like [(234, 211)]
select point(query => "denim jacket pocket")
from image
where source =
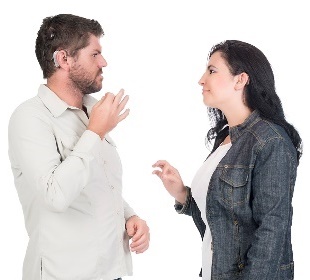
[(233, 183), (286, 272)]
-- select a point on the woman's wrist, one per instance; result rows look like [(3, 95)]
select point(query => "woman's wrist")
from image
[(181, 197), (181, 208)]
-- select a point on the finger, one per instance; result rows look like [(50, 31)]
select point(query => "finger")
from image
[(108, 97), (130, 229), (140, 248), (100, 101), (119, 96), (158, 173), (123, 103), (160, 163), (139, 233), (137, 242), (141, 229), (144, 238), (123, 115), (167, 169)]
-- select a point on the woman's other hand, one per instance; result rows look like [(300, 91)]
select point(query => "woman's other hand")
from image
[(171, 180)]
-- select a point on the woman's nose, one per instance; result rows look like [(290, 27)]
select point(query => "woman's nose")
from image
[(201, 82)]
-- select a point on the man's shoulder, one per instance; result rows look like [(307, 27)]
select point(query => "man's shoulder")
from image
[(31, 106)]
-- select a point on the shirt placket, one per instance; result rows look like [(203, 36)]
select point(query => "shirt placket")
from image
[(117, 210)]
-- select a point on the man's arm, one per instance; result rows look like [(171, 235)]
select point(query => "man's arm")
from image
[(32, 146)]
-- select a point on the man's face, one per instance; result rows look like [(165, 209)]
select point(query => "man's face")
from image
[(86, 68)]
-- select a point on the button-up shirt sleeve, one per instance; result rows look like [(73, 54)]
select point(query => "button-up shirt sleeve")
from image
[(128, 211), (33, 145), (69, 182)]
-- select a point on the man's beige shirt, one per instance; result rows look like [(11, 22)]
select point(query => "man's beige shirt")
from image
[(69, 183)]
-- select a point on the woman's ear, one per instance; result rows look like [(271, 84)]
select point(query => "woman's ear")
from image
[(243, 79)]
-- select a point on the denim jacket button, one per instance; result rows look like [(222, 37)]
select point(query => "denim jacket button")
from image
[(241, 265)]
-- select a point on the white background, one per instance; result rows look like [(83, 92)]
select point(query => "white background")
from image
[(157, 51)]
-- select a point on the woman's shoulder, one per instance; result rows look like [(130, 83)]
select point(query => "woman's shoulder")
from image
[(271, 134), (265, 130)]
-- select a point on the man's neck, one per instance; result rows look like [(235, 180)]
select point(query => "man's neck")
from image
[(65, 92)]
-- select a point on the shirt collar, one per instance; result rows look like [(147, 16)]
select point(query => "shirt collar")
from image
[(56, 105), (236, 131)]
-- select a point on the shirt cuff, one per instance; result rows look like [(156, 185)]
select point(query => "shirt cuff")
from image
[(88, 147), (129, 213), (181, 208)]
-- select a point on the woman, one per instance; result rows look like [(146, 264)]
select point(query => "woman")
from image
[(241, 197)]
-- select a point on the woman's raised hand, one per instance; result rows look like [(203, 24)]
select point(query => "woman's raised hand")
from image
[(171, 180)]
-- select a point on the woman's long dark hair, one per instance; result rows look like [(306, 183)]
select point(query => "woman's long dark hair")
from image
[(260, 93)]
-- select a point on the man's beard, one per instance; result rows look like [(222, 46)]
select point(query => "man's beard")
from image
[(83, 81)]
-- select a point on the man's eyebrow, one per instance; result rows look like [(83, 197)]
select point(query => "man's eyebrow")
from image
[(97, 50)]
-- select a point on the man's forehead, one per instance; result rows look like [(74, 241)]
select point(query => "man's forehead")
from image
[(94, 43)]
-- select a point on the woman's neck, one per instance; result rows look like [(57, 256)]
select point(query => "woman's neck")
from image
[(236, 117)]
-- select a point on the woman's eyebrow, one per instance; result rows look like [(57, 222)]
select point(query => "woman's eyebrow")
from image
[(209, 66)]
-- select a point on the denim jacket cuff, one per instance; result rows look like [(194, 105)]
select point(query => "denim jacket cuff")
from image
[(181, 208)]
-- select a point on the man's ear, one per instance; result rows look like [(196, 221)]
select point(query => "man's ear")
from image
[(243, 79), (60, 59)]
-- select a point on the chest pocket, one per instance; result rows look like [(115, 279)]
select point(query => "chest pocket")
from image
[(65, 144), (234, 182)]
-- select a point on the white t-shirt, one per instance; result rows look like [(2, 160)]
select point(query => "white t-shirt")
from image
[(199, 188)]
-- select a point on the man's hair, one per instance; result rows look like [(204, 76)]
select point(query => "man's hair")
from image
[(63, 32)]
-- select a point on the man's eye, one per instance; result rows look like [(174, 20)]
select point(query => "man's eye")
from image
[(95, 54)]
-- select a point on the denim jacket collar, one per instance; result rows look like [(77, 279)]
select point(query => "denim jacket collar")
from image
[(236, 131)]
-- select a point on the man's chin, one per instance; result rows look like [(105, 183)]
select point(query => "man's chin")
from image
[(93, 89)]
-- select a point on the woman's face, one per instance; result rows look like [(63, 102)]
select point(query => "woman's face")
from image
[(218, 84)]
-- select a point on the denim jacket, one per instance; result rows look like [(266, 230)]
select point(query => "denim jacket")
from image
[(249, 204)]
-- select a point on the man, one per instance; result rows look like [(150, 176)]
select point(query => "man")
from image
[(66, 168)]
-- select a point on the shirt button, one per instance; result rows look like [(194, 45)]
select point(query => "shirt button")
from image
[(112, 187)]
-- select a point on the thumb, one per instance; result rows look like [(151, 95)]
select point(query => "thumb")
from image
[(130, 229)]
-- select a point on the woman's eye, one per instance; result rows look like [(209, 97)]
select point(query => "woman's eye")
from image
[(211, 71)]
